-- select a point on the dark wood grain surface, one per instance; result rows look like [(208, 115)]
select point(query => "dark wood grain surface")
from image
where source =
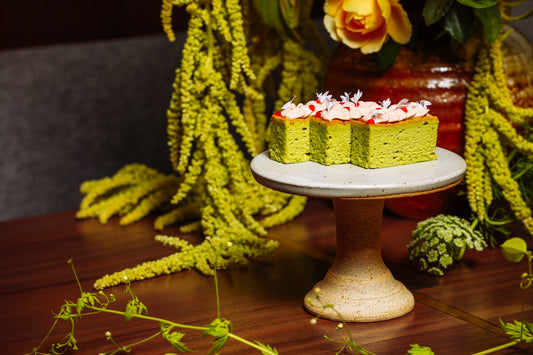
[(455, 314)]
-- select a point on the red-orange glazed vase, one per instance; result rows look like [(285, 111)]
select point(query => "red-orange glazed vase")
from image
[(432, 72)]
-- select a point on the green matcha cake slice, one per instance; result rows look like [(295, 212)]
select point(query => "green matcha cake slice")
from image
[(330, 141), (289, 139), (383, 145)]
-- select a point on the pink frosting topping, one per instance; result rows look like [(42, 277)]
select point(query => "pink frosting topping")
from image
[(351, 108)]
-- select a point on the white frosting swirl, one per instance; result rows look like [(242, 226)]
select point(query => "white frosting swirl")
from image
[(293, 111), (351, 108), (316, 106), (398, 112), (337, 110)]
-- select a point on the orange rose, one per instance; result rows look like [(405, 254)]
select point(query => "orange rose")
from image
[(366, 24)]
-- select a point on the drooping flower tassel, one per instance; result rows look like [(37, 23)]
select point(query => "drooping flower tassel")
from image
[(216, 124)]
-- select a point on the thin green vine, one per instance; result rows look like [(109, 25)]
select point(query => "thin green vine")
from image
[(514, 250), (347, 340), (92, 304)]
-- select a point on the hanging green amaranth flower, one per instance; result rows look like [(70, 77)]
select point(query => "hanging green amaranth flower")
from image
[(217, 122), (493, 130)]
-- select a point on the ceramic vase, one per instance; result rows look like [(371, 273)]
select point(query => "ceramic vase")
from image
[(433, 72)]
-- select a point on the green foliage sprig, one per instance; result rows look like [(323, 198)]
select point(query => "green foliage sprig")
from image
[(461, 18), (440, 241), (91, 304), (462, 21), (347, 339)]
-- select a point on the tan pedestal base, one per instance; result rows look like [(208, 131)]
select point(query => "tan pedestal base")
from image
[(359, 285)]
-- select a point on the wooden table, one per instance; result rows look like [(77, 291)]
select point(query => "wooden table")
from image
[(455, 314)]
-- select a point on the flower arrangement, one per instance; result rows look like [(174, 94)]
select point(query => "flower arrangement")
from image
[(381, 26), (240, 55), (217, 121), (498, 144)]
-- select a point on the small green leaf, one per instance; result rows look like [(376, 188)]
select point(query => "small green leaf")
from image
[(266, 349), (419, 350), (458, 22), (434, 10), (478, 4), (514, 249), (219, 329), (134, 307), (521, 331), (87, 298), (174, 339), (65, 312), (387, 55), (270, 13), (491, 20), (289, 12)]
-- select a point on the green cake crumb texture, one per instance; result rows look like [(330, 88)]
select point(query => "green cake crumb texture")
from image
[(391, 144), (330, 141), (290, 143)]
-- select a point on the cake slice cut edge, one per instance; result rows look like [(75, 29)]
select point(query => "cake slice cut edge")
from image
[(391, 144), (292, 142)]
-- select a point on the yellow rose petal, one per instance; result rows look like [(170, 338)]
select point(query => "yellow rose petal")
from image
[(366, 24), (361, 7), (329, 24), (332, 6), (375, 42), (399, 27)]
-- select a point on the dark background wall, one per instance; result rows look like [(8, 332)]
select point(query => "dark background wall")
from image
[(26, 23), (84, 86)]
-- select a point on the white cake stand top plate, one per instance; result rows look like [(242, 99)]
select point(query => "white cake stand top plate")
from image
[(351, 181)]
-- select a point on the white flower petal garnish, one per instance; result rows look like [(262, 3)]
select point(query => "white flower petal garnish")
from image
[(329, 103), (323, 96), (403, 102), (425, 103), (357, 96), (288, 104), (345, 97), (385, 103)]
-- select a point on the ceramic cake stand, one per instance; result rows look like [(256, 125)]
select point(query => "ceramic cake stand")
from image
[(358, 284)]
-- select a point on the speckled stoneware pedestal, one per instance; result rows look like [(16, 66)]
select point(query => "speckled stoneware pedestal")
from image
[(358, 284)]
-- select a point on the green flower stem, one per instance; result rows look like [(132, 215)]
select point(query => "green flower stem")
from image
[(155, 319), (216, 290), (459, 254), (183, 326), (498, 348), (89, 301), (47, 335), (127, 348)]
